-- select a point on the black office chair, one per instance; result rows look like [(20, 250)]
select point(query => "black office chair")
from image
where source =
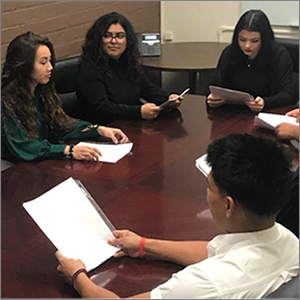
[(287, 290), (64, 77), (292, 46)]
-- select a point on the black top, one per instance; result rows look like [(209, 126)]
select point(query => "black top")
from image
[(270, 79), (106, 96)]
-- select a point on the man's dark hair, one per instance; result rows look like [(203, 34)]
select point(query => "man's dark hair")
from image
[(254, 171)]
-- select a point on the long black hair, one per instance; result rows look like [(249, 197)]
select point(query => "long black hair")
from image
[(16, 81), (92, 50), (253, 20)]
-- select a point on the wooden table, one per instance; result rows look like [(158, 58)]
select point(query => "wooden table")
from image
[(156, 191), (192, 57)]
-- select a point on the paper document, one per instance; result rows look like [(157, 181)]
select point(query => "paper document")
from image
[(74, 223), (110, 152), (169, 103), (230, 96), (270, 121), (202, 165)]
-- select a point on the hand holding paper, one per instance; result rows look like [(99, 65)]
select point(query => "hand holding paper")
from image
[(74, 223), (230, 96), (169, 104)]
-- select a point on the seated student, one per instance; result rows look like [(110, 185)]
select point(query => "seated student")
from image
[(289, 131), (110, 80), (251, 260), (32, 119), (255, 64), (289, 215)]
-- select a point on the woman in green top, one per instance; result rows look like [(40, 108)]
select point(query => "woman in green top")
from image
[(33, 121)]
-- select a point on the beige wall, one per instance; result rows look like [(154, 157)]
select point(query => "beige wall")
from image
[(66, 22), (192, 21)]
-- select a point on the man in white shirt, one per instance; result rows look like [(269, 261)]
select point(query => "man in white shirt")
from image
[(249, 184)]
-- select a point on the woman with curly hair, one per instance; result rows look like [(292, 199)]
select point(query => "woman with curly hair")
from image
[(110, 81), (33, 121)]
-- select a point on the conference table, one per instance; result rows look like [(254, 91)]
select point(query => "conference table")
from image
[(190, 57), (155, 190)]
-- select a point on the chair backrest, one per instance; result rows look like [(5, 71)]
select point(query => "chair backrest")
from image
[(64, 76), (292, 46), (287, 290)]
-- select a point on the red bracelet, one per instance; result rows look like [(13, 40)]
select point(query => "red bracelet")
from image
[(75, 275), (141, 247)]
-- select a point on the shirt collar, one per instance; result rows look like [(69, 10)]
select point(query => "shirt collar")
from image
[(230, 241)]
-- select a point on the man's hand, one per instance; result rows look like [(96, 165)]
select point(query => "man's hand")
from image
[(128, 241), (287, 131), (68, 266)]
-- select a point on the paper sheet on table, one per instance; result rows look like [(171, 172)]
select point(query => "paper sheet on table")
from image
[(270, 121), (73, 223), (110, 152), (202, 165), (230, 96)]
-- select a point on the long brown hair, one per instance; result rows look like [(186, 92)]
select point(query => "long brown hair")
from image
[(16, 97)]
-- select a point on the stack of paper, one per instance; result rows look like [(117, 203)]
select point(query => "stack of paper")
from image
[(270, 121), (202, 165), (230, 96), (74, 223), (110, 152)]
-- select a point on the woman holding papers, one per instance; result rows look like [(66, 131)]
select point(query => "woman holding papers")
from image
[(255, 64), (111, 81), (32, 119)]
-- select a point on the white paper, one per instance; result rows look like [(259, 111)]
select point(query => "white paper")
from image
[(110, 152), (202, 165), (270, 121), (73, 225), (230, 96), (168, 104)]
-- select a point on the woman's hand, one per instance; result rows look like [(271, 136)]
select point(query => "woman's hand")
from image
[(177, 102), (115, 134), (68, 266), (256, 105), (84, 153), (293, 113), (150, 111), (214, 102), (287, 131), (128, 241)]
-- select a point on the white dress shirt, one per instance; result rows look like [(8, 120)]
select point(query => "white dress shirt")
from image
[(239, 265)]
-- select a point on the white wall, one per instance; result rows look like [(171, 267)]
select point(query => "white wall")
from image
[(192, 21)]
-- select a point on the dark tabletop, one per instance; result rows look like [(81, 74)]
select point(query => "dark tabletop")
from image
[(156, 191)]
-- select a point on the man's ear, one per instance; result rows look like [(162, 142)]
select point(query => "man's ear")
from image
[(230, 207)]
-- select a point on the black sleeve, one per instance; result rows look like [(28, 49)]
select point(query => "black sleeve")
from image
[(151, 92), (91, 91), (282, 84)]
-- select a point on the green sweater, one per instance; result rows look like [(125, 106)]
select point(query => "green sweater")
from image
[(17, 146)]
